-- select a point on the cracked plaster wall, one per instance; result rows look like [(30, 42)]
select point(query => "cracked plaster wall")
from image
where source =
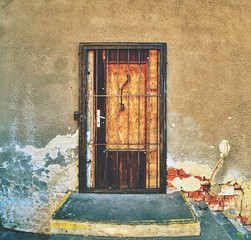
[(34, 181), (208, 89)]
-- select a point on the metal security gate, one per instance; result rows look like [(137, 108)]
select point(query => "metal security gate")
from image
[(122, 117)]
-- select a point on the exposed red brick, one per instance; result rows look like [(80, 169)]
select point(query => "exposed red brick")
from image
[(171, 168), (222, 203), (186, 176), (211, 199), (182, 172), (197, 199), (172, 172), (229, 197), (199, 177), (214, 203), (193, 194), (203, 193)]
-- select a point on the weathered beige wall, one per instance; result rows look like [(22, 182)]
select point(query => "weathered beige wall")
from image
[(208, 85)]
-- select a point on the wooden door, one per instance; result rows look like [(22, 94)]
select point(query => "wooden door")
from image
[(123, 134)]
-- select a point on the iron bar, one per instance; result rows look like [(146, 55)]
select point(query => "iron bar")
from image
[(124, 190), (96, 108), (124, 62), (148, 139), (117, 137), (157, 159), (107, 118), (128, 129), (130, 95), (138, 170), (125, 144), (124, 45)]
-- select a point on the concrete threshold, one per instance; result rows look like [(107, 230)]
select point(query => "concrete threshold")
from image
[(126, 215)]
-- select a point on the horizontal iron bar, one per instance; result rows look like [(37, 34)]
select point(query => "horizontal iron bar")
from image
[(124, 95), (116, 190), (122, 144), (141, 46), (124, 150), (126, 62), (122, 44)]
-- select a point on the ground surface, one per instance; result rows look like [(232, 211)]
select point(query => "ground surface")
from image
[(126, 208), (216, 227)]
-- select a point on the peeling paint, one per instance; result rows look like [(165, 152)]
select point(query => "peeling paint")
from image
[(192, 168), (232, 196), (187, 184), (34, 180)]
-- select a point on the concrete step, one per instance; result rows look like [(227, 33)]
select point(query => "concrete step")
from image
[(213, 227), (126, 215)]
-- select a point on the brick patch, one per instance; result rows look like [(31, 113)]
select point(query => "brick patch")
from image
[(172, 172), (197, 199), (182, 172), (193, 194), (215, 203)]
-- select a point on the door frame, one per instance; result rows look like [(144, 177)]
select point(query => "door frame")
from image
[(82, 116)]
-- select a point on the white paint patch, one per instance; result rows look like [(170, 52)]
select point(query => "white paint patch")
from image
[(63, 143), (195, 169), (224, 148), (62, 179), (190, 184), (227, 190), (229, 178)]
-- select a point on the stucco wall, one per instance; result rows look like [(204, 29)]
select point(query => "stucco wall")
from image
[(208, 89)]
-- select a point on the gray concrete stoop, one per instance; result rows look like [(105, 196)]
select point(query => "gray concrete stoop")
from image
[(213, 226), (126, 215)]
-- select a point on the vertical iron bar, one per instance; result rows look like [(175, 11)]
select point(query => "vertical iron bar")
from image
[(138, 120), (157, 159), (149, 164), (106, 118), (117, 153), (163, 118), (96, 130), (128, 170)]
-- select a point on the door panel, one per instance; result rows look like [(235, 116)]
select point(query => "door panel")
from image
[(124, 141), (126, 169)]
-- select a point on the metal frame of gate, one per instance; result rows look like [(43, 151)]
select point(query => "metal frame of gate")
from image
[(81, 116)]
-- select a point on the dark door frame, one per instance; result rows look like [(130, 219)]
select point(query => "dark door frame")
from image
[(83, 49)]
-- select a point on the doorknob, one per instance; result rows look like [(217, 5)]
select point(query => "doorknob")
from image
[(99, 117)]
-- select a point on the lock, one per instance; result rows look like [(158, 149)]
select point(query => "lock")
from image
[(99, 117)]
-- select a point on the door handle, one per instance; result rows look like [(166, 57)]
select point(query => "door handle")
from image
[(99, 117)]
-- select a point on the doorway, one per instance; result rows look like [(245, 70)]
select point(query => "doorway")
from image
[(122, 118)]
